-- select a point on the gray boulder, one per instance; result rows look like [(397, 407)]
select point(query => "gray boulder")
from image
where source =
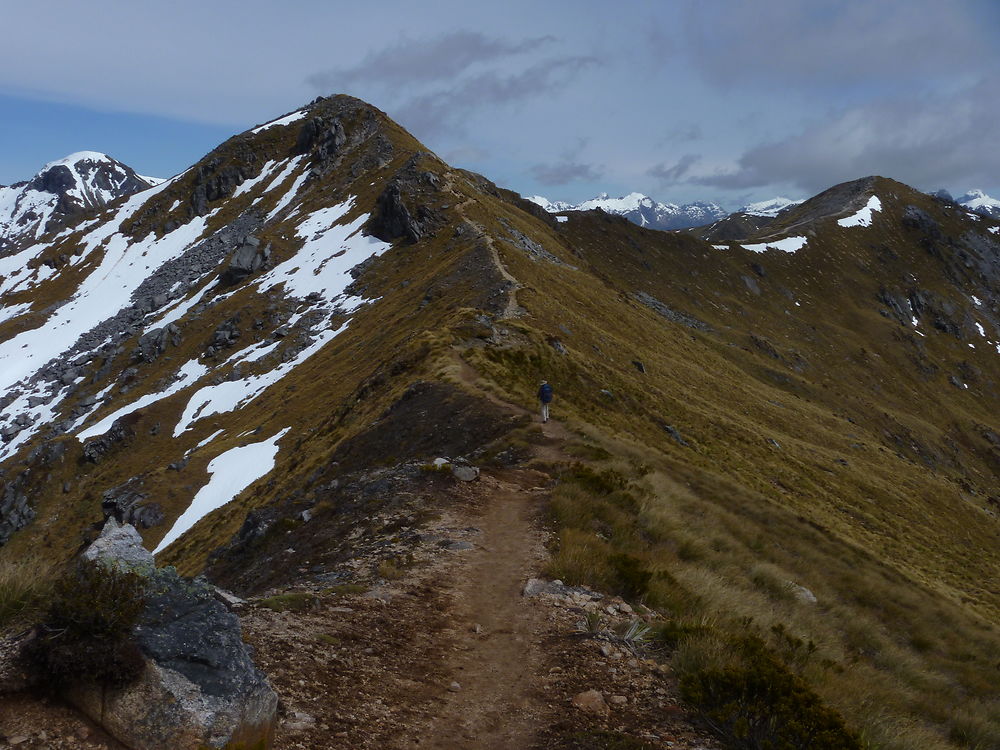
[(122, 546), (199, 687), (465, 473)]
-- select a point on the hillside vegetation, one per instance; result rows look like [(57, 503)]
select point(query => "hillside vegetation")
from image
[(791, 455)]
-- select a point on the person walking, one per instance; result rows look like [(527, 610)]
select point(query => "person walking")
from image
[(545, 397)]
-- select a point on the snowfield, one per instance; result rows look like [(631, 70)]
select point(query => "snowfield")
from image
[(232, 472)]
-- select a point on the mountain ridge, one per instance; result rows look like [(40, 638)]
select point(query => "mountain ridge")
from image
[(263, 357)]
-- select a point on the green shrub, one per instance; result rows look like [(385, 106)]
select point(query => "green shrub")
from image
[(756, 703), (296, 601), (86, 636), (631, 578), (597, 482)]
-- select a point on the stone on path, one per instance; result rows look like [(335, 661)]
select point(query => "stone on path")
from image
[(591, 702)]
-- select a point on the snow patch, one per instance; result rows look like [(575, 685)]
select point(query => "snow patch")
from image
[(188, 374), (786, 245), (562, 219), (224, 397), (232, 472), (286, 120), (247, 185), (863, 218), (982, 331), (324, 262)]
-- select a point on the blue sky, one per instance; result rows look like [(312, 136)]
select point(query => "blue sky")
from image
[(720, 100)]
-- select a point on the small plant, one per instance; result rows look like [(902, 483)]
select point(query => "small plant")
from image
[(634, 635), (592, 624), (86, 635), (345, 589), (296, 601), (754, 702)]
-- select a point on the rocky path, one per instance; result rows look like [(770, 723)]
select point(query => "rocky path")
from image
[(494, 700)]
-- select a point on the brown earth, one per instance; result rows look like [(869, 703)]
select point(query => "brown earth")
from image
[(442, 651)]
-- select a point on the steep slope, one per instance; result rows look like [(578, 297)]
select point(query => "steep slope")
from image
[(791, 435), (62, 189), (642, 210)]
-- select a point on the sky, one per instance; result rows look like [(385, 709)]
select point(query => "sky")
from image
[(721, 100)]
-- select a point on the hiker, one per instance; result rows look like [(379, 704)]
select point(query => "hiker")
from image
[(545, 396)]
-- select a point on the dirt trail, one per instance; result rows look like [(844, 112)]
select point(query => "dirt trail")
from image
[(496, 705), (512, 308)]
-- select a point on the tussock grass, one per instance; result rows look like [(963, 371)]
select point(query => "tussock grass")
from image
[(26, 587)]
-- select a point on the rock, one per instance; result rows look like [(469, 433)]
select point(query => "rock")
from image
[(199, 686), (248, 258), (299, 721), (393, 219), (15, 513), (97, 448), (465, 473), (537, 586), (618, 700), (454, 687), (639, 366), (676, 435), (120, 545), (229, 599), (459, 546), (801, 593), (591, 702), (126, 504)]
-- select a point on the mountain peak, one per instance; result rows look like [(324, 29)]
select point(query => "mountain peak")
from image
[(63, 188), (642, 210)]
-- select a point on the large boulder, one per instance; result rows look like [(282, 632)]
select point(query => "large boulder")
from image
[(199, 687)]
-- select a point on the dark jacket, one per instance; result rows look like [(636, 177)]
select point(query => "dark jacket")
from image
[(545, 393)]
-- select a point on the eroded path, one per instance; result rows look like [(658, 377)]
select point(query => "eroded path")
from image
[(494, 701)]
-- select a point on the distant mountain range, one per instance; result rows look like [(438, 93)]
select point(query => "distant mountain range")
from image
[(646, 212), (642, 210), (976, 201), (62, 189)]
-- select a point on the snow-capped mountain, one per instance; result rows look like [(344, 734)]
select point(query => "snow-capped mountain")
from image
[(980, 203), (642, 210), (771, 207), (62, 188)]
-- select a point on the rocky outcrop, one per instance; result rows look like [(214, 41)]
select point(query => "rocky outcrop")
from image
[(120, 434), (249, 258), (15, 512), (393, 219), (127, 504), (199, 687)]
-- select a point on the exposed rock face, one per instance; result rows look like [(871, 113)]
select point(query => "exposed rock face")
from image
[(119, 434), (15, 513), (126, 504), (200, 687), (249, 258)]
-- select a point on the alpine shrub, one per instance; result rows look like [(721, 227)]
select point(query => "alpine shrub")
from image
[(86, 636), (756, 703)]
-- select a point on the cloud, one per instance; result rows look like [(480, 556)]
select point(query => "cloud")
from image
[(830, 42), (667, 175), (563, 173), (924, 142), (444, 109), (410, 62)]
